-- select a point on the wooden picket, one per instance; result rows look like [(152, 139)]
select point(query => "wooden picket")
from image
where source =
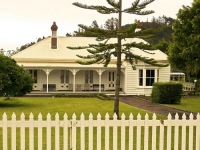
[(124, 134)]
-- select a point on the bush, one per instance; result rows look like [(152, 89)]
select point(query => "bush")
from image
[(167, 93)]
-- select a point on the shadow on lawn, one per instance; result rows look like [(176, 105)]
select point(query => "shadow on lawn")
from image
[(12, 103)]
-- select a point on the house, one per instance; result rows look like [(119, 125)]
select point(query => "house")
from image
[(54, 69)]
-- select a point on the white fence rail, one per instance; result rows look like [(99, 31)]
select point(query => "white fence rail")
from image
[(98, 134)]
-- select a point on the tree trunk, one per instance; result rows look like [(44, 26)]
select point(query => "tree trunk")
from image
[(117, 85)]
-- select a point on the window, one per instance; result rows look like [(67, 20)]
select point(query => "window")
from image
[(140, 77), (147, 77), (64, 76), (111, 76), (34, 75), (150, 77), (89, 76)]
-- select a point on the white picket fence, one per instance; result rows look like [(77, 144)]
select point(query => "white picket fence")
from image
[(109, 133)]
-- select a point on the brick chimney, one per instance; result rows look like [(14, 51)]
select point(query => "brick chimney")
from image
[(54, 28)]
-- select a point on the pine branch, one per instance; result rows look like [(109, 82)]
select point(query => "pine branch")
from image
[(77, 48), (114, 4), (97, 32), (140, 45), (137, 7), (130, 57), (100, 9)]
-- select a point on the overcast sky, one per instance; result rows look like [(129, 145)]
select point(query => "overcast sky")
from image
[(24, 21)]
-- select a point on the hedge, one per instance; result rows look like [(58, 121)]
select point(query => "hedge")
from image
[(167, 92)]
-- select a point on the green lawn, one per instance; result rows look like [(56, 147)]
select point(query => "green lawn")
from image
[(78, 105), (61, 106), (64, 105), (189, 104)]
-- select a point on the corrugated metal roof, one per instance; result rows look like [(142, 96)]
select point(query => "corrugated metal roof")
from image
[(42, 50)]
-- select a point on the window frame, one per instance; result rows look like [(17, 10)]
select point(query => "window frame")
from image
[(150, 77), (147, 76), (64, 76)]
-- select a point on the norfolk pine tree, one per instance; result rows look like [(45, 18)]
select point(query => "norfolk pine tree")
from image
[(102, 52)]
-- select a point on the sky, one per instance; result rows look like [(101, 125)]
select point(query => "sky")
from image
[(24, 21)]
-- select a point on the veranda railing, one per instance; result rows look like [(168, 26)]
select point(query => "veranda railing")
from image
[(109, 133)]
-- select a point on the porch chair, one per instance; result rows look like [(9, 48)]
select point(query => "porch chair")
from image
[(78, 87), (86, 87), (70, 87)]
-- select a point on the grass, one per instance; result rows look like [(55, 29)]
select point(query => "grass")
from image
[(190, 104), (78, 106), (64, 105)]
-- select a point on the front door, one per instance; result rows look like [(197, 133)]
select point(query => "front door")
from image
[(111, 80)]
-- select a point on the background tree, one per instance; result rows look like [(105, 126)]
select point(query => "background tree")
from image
[(94, 24), (111, 24), (163, 46), (1, 51), (163, 37), (160, 22), (102, 52), (184, 51), (14, 80)]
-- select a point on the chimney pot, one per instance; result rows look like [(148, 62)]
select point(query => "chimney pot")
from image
[(54, 27)]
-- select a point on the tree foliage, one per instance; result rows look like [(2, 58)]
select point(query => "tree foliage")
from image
[(103, 51), (160, 22), (14, 80), (111, 24), (184, 51), (161, 39)]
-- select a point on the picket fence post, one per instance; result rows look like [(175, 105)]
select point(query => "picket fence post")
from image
[(57, 132), (107, 132), (99, 132), (31, 132), (73, 132), (82, 121), (48, 128), (169, 129), (5, 132), (65, 132), (22, 131), (91, 132), (153, 132), (131, 124), (123, 132), (39, 126), (138, 125), (13, 132), (183, 141), (198, 132)]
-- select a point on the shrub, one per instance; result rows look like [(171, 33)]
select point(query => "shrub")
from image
[(167, 93)]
